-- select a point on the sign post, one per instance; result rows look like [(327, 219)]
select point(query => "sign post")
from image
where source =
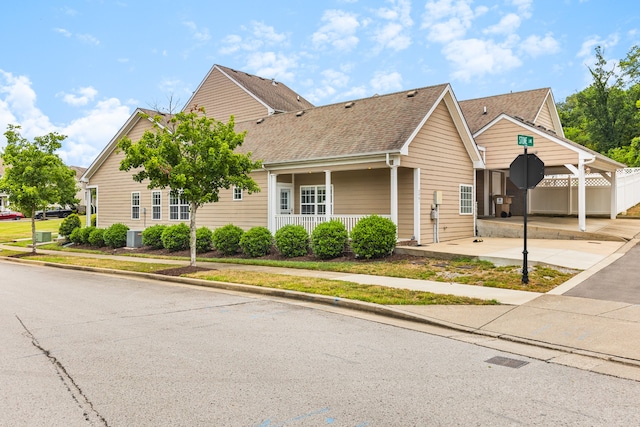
[(526, 171)]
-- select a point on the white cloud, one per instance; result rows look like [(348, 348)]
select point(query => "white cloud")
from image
[(395, 33), (475, 58), (448, 20), (258, 36), (508, 24), (586, 50), (83, 96), (524, 7), (267, 33), (62, 31), (338, 31), (535, 45), (200, 35), (88, 39), (272, 65), (386, 82)]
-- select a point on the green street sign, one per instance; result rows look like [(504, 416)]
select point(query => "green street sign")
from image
[(526, 141)]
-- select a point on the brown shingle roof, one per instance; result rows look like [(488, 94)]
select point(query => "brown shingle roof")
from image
[(525, 105), (373, 125), (276, 95)]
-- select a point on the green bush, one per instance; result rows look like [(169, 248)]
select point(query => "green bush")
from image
[(256, 242), (227, 239), (329, 239), (373, 237), (176, 237), (292, 241), (75, 236), (152, 236), (115, 236), (94, 220), (96, 237), (80, 236), (69, 224), (204, 237)]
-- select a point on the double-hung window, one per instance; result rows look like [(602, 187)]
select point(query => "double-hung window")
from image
[(313, 200), (135, 205), (237, 193), (466, 199), (156, 205), (178, 206)]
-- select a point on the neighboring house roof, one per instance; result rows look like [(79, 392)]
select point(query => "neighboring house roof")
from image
[(79, 170), (277, 96), (481, 111), (369, 126)]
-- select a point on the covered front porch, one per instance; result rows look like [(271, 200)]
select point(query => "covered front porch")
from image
[(347, 194)]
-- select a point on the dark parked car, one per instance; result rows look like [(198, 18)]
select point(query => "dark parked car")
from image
[(10, 215), (54, 213)]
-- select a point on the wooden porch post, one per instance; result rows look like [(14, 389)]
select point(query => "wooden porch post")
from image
[(329, 197), (272, 201), (416, 205)]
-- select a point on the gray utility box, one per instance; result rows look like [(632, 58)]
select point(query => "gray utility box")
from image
[(134, 239), (43, 236)]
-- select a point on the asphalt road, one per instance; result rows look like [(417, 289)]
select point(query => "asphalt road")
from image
[(83, 349), (619, 281)]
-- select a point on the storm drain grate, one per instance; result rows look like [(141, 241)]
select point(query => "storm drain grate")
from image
[(509, 363)]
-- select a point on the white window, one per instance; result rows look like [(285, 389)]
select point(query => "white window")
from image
[(156, 205), (237, 193), (466, 199), (178, 206), (135, 205), (313, 200)]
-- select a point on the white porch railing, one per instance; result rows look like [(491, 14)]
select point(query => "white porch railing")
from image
[(309, 222)]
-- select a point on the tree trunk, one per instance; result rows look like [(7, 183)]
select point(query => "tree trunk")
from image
[(192, 229), (33, 231)]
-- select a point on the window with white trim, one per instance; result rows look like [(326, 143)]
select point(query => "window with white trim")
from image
[(466, 199), (156, 205), (178, 207), (135, 205), (313, 200), (237, 193)]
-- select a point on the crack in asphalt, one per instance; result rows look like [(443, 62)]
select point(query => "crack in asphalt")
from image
[(91, 415)]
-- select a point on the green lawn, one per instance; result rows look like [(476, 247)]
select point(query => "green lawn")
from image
[(15, 230)]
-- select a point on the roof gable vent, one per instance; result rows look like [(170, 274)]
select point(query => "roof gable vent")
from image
[(412, 93), (349, 104)]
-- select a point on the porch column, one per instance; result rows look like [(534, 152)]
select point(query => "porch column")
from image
[(582, 204), (614, 194), (329, 197), (394, 194), (87, 203), (272, 201), (416, 205)]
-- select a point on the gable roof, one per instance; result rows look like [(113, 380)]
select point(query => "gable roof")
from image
[(276, 96), (526, 105), (364, 127)]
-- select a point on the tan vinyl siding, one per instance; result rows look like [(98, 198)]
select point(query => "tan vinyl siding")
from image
[(221, 98), (544, 117), (502, 147), (439, 152)]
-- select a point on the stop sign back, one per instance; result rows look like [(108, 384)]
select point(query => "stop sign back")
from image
[(535, 171)]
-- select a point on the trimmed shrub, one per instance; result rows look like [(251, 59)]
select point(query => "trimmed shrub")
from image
[(292, 241), (329, 239), (176, 237), (115, 236), (373, 237), (204, 237), (152, 236), (227, 239), (256, 242), (75, 236), (69, 224), (96, 237)]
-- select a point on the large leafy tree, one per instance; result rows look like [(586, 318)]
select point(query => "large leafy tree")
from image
[(604, 116), (193, 155), (35, 176)]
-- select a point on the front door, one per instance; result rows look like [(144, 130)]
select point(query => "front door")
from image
[(284, 201)]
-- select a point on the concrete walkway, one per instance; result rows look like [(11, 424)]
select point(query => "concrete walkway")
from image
[(599, 334)]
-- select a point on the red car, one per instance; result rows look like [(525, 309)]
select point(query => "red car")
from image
[(10, 215)]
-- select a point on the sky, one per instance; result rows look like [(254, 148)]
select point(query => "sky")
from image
[(82, 67)]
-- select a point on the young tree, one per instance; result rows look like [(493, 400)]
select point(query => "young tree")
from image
[(192, 155), (35, 176)]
